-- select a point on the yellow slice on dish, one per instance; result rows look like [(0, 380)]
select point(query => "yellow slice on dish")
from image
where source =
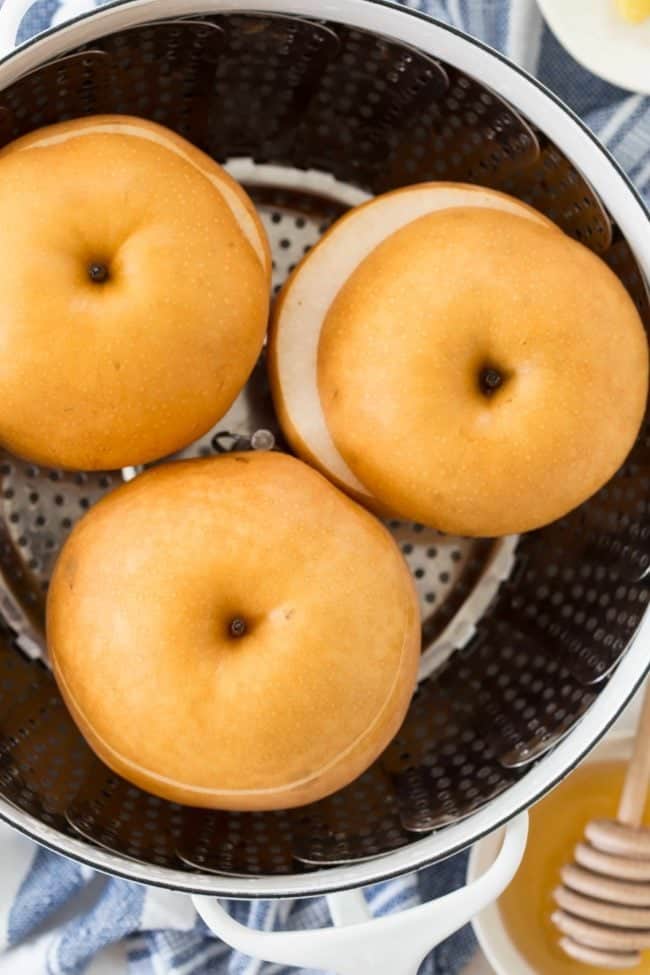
[(636, 11)]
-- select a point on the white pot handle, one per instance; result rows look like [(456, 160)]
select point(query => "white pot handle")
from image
[(361, 945), (13, 11)]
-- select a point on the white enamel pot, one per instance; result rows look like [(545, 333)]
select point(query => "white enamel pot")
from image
[(357, 944)]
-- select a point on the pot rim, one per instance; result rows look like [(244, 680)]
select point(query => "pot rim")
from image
[(540, 105)]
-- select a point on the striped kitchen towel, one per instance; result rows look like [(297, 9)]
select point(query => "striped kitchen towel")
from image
[(60, 918)]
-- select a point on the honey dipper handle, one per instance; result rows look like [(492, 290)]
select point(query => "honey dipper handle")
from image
[(635, 787)]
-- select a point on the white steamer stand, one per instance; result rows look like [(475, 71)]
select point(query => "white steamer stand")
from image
[(356, 943)]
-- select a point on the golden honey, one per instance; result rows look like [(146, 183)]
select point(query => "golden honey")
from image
[(557, 824)]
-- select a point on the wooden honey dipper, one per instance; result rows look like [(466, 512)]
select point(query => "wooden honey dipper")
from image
[(604, 898)]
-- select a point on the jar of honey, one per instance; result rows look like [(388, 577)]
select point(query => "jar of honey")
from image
[(517, 934)]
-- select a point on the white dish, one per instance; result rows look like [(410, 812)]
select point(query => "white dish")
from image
[(488, 926), (598, 37)]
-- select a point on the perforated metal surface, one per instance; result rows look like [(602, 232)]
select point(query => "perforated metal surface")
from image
[(468, 134), (554, 186), (70, 86), (537, 630)]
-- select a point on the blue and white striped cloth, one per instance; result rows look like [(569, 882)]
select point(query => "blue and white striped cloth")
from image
[(59, 918)]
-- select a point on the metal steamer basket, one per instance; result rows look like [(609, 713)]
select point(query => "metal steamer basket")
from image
[(532, 645)]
